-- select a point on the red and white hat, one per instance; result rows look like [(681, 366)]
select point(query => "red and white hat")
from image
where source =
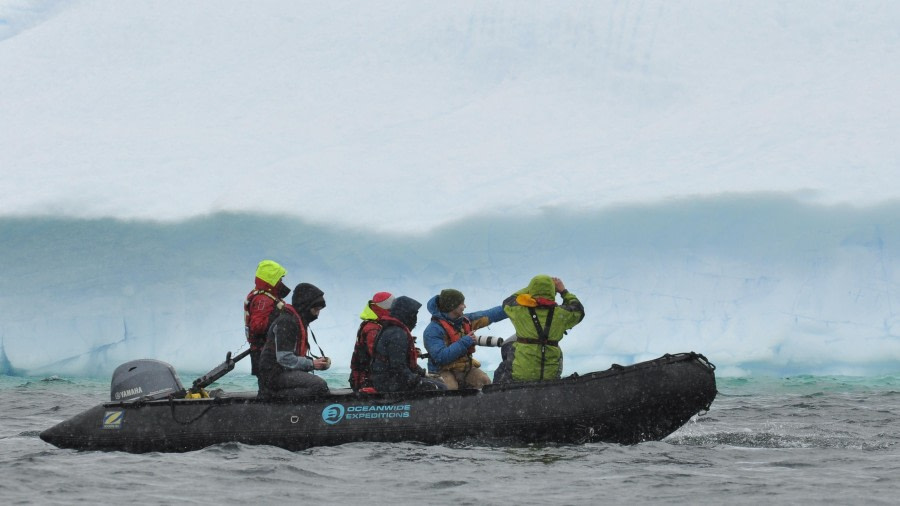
[(384, 300), (381, 303)]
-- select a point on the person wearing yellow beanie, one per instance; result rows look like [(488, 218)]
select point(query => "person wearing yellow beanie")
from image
[(266, 298)]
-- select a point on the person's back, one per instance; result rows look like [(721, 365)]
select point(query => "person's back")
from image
[(394, 367), (540, 324), (363, 351), (261, 306)]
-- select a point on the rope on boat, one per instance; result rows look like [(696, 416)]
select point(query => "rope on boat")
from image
[(704, 360), (188, 422)]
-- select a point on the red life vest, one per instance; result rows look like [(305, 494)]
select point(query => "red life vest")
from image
[(363, 351), (302, 347), (258, 339)]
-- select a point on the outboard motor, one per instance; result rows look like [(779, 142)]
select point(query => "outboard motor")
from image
[(144, 379)]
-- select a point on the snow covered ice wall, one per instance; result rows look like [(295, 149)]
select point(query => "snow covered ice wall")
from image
[(758, 283)]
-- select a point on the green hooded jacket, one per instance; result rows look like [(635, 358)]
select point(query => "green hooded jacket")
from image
[(539, 295)]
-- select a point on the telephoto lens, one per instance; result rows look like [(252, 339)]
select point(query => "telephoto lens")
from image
[(488, 341)]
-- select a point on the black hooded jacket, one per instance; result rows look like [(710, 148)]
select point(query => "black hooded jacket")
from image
[(391, 371)]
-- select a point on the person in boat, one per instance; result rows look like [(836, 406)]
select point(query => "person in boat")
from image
[(540, 324), (261, 305), (286, 364), (450, 339), (394, 358), (361, 362)]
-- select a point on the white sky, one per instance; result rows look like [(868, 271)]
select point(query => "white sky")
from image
[(403, 115)]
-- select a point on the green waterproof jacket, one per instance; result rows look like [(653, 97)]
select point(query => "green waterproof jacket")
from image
[(528, 354)]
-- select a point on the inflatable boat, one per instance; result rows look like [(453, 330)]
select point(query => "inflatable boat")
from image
[(624, 404)]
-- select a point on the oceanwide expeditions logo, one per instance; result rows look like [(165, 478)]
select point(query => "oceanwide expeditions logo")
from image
[(334, 413)]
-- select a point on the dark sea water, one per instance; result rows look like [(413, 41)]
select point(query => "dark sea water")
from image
[(808, 440)]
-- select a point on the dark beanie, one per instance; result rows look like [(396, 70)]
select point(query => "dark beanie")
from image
[(450, 299), (307, 296)]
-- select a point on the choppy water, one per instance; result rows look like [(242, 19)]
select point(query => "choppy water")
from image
[(806, 440)]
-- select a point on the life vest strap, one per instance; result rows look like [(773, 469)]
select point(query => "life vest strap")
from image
[(279, 304), (543, 335), (531, 340)]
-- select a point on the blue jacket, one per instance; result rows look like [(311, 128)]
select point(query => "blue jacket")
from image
[(439, 354)]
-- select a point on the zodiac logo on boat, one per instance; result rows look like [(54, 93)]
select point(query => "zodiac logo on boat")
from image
[(113, 419), (333, 413)]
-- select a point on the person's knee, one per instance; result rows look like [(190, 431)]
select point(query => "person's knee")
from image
[(477, 379), (502, 374), (449, 380)]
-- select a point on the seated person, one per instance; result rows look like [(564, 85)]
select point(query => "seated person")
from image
[(394, 366), (450, 339), (285, 364), (361, 361), (266, 298)]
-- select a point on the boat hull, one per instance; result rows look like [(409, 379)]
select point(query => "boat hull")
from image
[(626, 405)]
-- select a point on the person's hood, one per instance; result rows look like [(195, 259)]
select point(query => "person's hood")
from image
[(307, 296), (280, 290), (541, 285), (270, 272), (406, 309), (368, 314), (541, 291), (432, 307)]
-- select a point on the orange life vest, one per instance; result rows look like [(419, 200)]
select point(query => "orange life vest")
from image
[(452, 335)]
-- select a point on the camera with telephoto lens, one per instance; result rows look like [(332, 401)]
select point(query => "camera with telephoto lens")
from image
[(488, 341)]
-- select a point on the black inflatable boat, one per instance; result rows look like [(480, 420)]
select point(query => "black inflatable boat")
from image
[(624, 404)]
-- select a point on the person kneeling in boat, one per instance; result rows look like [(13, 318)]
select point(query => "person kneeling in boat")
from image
[(450, 339), (285, 363), (266, 298), (394, 361), (540, 324)]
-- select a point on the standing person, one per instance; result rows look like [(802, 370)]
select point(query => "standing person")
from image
[(394, 358), (361, 362), (261, 306), (540, 324), (450, 339), (286, 364)]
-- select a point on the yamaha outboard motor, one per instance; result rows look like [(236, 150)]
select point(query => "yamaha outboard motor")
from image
[(144, 379)]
